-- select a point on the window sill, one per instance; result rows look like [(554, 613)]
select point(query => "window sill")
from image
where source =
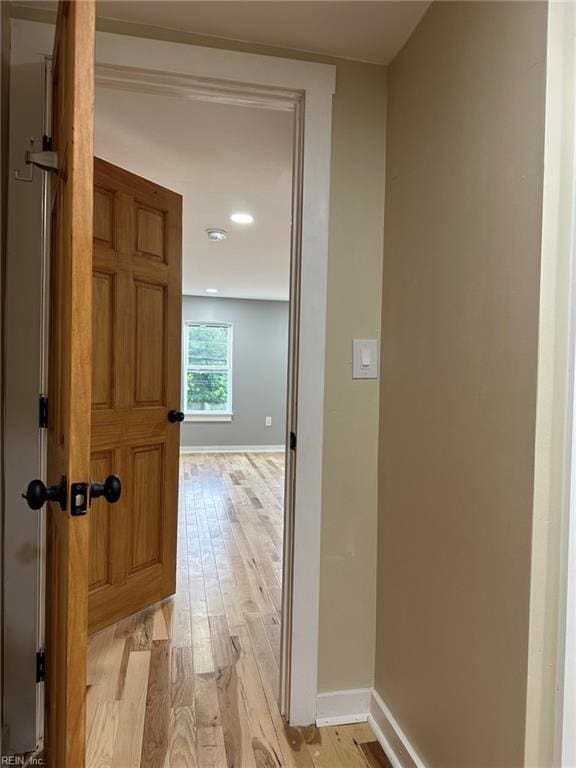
[(208, 417)]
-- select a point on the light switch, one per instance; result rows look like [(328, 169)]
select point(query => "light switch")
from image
[(365, 359)]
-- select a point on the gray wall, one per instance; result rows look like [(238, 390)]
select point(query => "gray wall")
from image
[(260, 339)]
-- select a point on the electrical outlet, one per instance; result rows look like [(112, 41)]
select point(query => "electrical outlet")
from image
[(268, 422)]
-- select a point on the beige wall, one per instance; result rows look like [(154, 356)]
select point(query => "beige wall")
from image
[(348, 581), (458, 392), (348, 575)]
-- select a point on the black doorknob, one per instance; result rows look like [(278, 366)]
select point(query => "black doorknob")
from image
[(175, 416), (37, 494), (111, 489)]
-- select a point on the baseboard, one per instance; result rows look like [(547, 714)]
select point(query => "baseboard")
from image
[(392, 738), (232, 448), (343, 707)]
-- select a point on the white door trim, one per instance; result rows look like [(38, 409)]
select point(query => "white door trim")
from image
[(562, 84), (245, 78), (551, 690)]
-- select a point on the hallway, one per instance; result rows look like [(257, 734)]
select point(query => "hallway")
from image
[(194, 681)]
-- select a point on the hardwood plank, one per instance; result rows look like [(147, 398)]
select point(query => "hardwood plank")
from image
[(361, 732), (346, 747), (374, 755), (182, 689), (263, 653), (132, 711), (182, 747), (106, 672), (210, 747), (102, 734), (323, 752), (157, 718), (206, 700)]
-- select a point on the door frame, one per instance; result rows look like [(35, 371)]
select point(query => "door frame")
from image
[(550, 736), (307, 88)]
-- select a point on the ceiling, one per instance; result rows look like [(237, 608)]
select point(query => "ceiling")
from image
[(228, 158), (352, 29), (366, 31), (222, 159)]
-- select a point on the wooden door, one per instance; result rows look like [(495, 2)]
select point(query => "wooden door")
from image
[(136, 373), (69, 385)]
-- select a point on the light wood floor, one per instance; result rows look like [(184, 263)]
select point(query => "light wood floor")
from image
[(194, 682)]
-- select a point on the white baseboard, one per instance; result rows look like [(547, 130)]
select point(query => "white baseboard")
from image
[(392, 738), (232, 448), (343, 707)]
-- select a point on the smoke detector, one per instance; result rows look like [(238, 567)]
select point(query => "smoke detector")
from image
[(216, 235)]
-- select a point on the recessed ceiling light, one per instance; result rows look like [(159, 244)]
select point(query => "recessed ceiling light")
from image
[(242, 218), (211, 290), (216, 234)]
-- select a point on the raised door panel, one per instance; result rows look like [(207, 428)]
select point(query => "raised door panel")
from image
[(104, 217), (150, 344), (147, 506), (150, 232), (103, 339)]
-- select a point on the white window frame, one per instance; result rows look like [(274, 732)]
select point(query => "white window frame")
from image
[(210, 416)]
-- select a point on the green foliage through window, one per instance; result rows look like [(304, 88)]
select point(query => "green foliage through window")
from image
[(208, 368)]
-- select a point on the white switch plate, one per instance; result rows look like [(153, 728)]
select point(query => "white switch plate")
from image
[(365, 359), (268, 422)]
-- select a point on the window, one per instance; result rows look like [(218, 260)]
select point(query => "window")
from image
[(208, 370)]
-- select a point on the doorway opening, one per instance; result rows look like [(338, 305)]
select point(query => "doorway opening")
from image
[(131, 64), (211, 184)]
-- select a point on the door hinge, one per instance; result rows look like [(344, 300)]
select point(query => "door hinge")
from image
[(292, 441), (40, 665), (47, 160), (43, 411)]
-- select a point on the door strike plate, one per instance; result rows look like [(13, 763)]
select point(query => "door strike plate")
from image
[(79, 499)]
